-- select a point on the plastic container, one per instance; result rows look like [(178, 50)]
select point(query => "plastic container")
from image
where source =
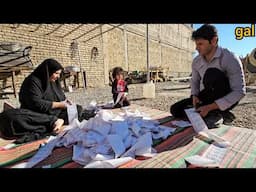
[(149, 90)]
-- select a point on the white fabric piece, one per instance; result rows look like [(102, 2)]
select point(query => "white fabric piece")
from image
[(181, 123), (98, 164), (163, 132), (218, 141), (143, 145), (119, 117), (157, 135), (92, 105), (113, 163), (89, 124), (72, 137), (20, 165), (133, 119), (120, 128), (108, 136), (163, 127), (135, 129), (72, 113), (128, 141), (147, 118), (84, 156), (196, 120), (74, 124), (128, 113), (215, 153), (101, 127), (80, 155), (43, 152), (134, 140), (103, 157), (144, 131), (83, 124), (117, 145), (200, 161), (104, 149), (105, 115), (152, 153), (137, 113), (150, 123), (91, 139)]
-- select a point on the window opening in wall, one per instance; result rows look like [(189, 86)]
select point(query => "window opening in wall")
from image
[(94, 53), (73, 49)]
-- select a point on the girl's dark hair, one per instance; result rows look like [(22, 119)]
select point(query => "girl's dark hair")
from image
[(206, 31), (117, 71)]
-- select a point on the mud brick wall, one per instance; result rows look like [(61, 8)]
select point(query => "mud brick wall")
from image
[(170, 47)]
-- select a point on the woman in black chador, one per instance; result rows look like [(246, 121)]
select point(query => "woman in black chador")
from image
[(43, 105), (41, 91)]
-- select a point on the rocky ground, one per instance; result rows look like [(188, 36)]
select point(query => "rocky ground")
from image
[(167, 93)]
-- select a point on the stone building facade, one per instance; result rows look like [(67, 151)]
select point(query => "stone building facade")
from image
[(100, 47)]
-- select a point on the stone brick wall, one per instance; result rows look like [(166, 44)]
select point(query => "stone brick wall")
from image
[(170, 47), (48, 42)]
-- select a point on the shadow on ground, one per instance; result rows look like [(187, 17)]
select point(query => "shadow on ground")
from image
[(246, 103), (137, 99), (175, 89), (251, 90)]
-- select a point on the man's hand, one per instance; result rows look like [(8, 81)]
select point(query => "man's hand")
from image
[(204, 110), (196, 101)]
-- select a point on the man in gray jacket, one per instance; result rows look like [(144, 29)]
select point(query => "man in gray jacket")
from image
[(217, 83)]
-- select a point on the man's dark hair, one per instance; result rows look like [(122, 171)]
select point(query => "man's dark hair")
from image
[(117, 71), (206, 31)]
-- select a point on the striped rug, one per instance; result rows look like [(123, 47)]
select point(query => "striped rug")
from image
[(62, 157), (171, 152), (59, 157), (19, 153), (241, 154)]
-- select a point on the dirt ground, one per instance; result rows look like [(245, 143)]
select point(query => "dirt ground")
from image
[(167, 93)]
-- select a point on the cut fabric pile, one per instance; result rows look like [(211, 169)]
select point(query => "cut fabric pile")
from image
[(107, 140)]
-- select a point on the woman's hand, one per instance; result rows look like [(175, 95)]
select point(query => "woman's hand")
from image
[(61, 105), (57, 127), (69, 102), (66, 103)]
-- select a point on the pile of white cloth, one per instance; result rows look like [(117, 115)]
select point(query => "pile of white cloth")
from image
[(108, 139)]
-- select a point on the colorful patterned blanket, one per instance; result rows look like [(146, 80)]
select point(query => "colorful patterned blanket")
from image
[(241, 153), (171, 152), (61, 157)]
